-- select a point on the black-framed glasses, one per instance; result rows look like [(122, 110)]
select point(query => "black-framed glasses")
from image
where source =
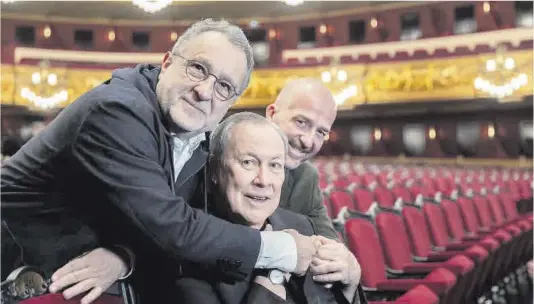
[(196, 71)]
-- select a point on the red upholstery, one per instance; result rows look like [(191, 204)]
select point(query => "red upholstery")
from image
[(440, 237), (364, 243), (473, 220), (403, 193), (57, 298), (384, 197), (396, 245), (363, 199), (339, 200), (420, 294)]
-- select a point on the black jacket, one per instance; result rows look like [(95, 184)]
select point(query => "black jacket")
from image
[(203, 286), (101, 174)]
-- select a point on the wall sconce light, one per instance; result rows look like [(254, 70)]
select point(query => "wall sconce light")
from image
[(491, 131), (47, 32), (323, 29), (377, 134), (486, 6), (272, 34), (432, 133), (174, 36), (111, 35), (373, 23)]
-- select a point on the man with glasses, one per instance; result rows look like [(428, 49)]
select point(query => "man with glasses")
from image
[(119, 164)]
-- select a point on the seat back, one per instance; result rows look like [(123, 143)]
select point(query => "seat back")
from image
[(341, 183), (394, 239), (495, 209), (354, 178), (364, 243), (404, 193), (417, 231), (482, 210), (443, 185), (467, 210), (328, 206), (363, 199), (453, 218), (436, 224), (508, 204), (340, 199), (384, 197)]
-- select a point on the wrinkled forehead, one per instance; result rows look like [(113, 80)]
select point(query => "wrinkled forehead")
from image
[(258, 139)]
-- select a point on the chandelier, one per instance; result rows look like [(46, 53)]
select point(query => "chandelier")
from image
[(334, 73), (152, 6), (337, 77), (499, 77), (44, 83), (293, 2)]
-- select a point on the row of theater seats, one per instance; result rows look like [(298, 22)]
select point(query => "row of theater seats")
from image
[(433, 234)]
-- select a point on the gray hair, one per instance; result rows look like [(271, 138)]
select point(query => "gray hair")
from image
[(235, 35), (221, 135)]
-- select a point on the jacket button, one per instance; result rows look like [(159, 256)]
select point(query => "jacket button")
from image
[(237, 264)]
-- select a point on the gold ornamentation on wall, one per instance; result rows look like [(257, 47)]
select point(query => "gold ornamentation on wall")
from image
[(404, 81)]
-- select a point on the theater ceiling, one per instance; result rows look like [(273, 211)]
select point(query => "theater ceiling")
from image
[(184, 11)]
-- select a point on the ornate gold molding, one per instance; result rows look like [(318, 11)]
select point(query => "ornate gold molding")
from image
[(418, 80)]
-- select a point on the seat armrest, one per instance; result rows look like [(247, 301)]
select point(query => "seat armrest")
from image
[(406, 284)]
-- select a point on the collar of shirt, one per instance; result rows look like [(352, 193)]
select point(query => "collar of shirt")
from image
[(183, 150)]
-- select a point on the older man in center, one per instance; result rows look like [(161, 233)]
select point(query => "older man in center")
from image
[(247, 158)]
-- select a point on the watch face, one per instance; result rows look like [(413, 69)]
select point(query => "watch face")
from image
[(276, 277)]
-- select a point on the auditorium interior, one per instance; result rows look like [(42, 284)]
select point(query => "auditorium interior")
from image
[(431, 151)]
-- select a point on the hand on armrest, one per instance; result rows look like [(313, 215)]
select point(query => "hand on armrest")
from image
[(96, 271)]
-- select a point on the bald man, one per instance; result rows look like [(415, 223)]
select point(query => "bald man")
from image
[(305, 110)]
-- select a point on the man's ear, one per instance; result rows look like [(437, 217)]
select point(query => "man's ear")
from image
[(167, 60), (269, 111)]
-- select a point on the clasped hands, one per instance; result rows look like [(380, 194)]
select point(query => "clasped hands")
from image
[(327, 260)]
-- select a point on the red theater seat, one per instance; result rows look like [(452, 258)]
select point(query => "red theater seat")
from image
[(57, 298), (396, 245), (363, 241)]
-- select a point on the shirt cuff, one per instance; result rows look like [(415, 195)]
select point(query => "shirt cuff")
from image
[(278, 251)]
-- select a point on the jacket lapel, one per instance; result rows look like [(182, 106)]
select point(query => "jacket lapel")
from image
[(192, 166), (286, 188)]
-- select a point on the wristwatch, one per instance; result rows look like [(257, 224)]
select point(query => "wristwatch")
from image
[(274, 275)]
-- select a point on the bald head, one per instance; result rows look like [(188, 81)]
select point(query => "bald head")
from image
[(305, 110), (310, 90)]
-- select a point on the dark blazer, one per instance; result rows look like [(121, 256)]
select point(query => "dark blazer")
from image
[(301, 194), (101, 174), (202, 286)]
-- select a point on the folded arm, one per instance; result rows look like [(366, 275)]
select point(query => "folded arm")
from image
[(116, 152)]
